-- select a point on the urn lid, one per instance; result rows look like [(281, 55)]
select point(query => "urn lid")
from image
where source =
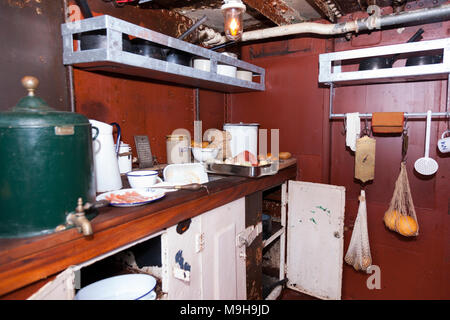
[(32, 111)]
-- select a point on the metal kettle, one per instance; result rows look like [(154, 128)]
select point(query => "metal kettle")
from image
[(107, 173)]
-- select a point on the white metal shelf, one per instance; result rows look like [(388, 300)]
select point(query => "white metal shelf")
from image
[(330, 70), (114, 59), (330, 64)]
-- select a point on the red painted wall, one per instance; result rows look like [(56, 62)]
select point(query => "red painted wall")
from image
[(145, 107), (298, 106), (410, 268), (294, 102)]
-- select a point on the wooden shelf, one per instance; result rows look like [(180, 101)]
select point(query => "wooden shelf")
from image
[(113, 59), (277, 231)]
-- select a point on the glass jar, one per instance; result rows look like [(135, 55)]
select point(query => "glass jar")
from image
[(177, 147)]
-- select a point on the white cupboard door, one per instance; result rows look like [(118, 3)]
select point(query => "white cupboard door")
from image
[(223, 263), (205, 262), (61, 288), (315, 244), (182, 268)]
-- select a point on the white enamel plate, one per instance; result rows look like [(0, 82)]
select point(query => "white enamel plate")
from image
[(131, 197)]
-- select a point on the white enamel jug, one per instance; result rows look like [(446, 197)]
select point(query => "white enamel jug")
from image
[(107, 173)]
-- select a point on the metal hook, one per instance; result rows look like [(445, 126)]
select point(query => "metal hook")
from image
[(345, 127), (366, 130)]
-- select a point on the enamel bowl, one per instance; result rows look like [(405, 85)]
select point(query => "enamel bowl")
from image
[(142, 178), (123, 287)]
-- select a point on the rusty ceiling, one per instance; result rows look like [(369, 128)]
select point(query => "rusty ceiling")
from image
[(261, 14), (267, 13)]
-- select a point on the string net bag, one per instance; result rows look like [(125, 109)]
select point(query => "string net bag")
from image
[(401, 215), (358, 252)]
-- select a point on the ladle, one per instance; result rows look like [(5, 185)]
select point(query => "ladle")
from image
[(426, 165)]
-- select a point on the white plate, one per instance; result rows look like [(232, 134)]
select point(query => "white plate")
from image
[(151, 194)]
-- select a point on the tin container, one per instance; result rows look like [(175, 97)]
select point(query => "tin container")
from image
[(244, 137)]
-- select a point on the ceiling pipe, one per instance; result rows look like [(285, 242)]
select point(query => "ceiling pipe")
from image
[(373, 22)]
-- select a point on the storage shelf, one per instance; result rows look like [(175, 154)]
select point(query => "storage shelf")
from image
[(114, 59), (331, 64), (330, 72), (277, 231)]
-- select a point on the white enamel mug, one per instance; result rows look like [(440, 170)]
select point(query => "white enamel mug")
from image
[(444, 142)]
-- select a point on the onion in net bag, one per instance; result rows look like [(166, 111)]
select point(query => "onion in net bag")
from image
[(358, 252)]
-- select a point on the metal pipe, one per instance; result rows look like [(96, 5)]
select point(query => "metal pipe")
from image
[(419, 115), (69, 69), (193, 27), (71, 88), (415, 17), (197, 105)]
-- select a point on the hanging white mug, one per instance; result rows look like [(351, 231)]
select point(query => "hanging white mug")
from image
[(444, 142)]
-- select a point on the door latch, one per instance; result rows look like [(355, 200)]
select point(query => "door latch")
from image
[(247, 236), (181, 274)]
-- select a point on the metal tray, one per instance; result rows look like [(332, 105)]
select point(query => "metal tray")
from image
[(243, 171)]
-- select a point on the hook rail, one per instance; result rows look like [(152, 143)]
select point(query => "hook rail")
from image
[(417, 115)]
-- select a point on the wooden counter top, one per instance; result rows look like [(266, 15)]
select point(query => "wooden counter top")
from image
[(24, 261)]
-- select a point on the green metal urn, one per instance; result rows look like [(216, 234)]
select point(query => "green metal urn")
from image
[(46, 165)]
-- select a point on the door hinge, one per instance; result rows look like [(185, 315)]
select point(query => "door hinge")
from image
[(247, 236), (199, 242)]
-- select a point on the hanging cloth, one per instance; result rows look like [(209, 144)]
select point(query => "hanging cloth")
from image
[(353, 129)]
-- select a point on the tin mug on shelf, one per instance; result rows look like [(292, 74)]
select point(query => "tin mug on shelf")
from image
[(444, 142)]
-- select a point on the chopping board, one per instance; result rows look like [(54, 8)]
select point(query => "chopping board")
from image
[(365, 159), (287, 163)]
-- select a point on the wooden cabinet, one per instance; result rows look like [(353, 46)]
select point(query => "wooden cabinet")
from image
[(200, 260), (217, 254), (205, 257)]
